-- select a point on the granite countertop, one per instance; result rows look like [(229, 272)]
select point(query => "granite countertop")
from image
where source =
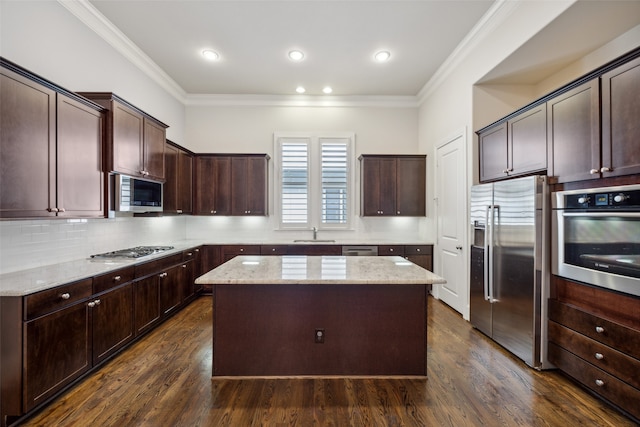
[(25, 282), (28, 281), (302, 269)]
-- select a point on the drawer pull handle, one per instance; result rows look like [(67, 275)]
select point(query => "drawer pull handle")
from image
[(65, 296), (599, 329), (599, 383), (117, 278), (599, 356)]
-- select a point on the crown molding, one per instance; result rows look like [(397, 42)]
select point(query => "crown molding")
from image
[(98, 23), (497, 14), (302, 101)]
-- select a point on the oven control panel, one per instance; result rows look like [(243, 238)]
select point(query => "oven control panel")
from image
[(604, 199)]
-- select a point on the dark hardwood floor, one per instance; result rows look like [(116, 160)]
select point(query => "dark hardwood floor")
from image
[(165, 380)]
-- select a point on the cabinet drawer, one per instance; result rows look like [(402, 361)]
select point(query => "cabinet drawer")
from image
[(390, 250), (604, 357), (158, 265), (315, 250), (232, 250), (418, 250), (273, 250), (111, 280), (605, 385), (53, 299), (190, 254), (622, 338)]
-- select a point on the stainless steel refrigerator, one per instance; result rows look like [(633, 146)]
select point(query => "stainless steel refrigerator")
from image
[(509, 265)]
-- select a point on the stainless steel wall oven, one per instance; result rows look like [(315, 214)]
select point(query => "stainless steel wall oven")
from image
[(596, 237)]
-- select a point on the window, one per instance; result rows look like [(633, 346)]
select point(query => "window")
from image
[(314, 178)]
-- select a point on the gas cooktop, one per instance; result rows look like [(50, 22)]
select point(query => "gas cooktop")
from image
[(136, 252)]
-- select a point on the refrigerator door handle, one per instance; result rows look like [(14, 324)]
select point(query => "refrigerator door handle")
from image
[(487, 256)]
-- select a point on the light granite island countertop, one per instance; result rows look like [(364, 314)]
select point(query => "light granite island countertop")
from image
[(303, 269), (292, 316)]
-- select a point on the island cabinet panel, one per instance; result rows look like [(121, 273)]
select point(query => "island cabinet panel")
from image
[(393, 185), (230, 251), (574, 134), (594, 337), (421, 255), (177, 197), (272, 329), (135, 140), (51, 144), (620, 113)]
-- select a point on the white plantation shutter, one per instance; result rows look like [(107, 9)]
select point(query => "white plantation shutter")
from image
[(335, 182), (295, 181), (314, 178)]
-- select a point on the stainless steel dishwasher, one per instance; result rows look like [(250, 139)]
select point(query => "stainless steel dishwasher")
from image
[(360, 250)]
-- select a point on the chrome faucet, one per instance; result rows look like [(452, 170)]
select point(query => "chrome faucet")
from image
[(315, 233)]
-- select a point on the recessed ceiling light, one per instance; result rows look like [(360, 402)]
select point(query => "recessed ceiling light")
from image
[(296, 55), (382, 56), (300, 89), (210, 55), (327, 90)]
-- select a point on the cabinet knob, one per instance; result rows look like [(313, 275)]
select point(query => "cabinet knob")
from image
[(599, 382), (594, 171), (179, 211), (189, 253), (605, 169), (163, 274), (61, 210), (417, 249), (97, 302), (241, 249), (184, 265), (273, 249), (65, 296), (391, 250), (599, 356), (505, 170), (52, 209), (398, 213), (599, 329), (117, 278), (91, 304), (196, 250)]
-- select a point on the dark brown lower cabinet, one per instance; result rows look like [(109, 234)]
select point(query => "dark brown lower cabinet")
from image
[(171, 289), (594, 337), (112, 316), (57, 351), (147, 302)]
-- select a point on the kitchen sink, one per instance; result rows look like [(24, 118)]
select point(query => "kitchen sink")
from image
[(314, 241)]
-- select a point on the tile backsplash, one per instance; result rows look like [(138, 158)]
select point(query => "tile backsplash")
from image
[(35, 243)]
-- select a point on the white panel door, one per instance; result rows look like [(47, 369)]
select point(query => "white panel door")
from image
[(451, 195)]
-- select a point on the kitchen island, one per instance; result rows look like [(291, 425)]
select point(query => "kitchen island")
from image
[(319, 316)]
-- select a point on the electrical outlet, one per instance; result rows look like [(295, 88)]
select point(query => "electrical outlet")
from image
[(319, 336)]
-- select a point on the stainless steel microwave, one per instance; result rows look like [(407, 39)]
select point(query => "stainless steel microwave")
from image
[(136, 194), (596, 237)]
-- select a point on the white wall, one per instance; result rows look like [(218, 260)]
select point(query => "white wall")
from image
[(250, 130)]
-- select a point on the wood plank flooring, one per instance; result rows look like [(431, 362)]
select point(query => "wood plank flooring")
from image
[(165, 380)]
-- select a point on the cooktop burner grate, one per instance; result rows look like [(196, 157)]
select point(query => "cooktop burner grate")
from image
[(135, 252)]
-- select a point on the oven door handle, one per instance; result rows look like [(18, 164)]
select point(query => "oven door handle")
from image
[(603, 214)]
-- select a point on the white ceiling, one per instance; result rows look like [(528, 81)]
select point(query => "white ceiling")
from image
[(339, 38)]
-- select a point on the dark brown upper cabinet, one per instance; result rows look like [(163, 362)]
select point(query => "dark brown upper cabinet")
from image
[(573, 120), (177, 197), (393, 185), (515, 147), (231, 184), (621, 120), (135, 140), (52, 149)]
